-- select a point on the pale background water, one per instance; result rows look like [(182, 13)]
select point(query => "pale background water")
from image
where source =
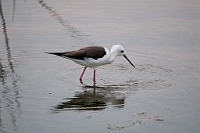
[(41, 93)]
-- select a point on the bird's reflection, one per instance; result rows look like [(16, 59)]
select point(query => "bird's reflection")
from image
[(91, 100)]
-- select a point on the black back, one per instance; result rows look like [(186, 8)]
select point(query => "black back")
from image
[(94, 52)]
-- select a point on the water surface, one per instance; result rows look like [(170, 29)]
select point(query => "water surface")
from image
[(41, 93)]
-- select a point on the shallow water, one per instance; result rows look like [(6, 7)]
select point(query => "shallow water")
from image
[(41, 93)]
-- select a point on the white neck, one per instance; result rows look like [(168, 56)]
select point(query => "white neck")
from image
[(113, 55)]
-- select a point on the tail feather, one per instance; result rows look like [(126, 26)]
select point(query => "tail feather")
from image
[(58, 54)]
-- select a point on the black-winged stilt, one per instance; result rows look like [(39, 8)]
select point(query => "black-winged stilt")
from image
[(94, 56)]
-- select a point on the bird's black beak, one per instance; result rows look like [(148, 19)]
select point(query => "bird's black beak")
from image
[(129, 60)]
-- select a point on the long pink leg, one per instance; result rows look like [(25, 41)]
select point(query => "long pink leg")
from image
[(82, 74), (94, 77)]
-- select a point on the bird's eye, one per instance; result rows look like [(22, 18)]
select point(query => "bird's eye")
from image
[(122, 51)]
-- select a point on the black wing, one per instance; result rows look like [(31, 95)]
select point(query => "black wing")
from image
[(94, 52)]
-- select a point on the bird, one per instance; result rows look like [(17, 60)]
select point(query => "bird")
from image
[(93, 57)]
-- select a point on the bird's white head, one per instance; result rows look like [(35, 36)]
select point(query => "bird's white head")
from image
[(118, 50)]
